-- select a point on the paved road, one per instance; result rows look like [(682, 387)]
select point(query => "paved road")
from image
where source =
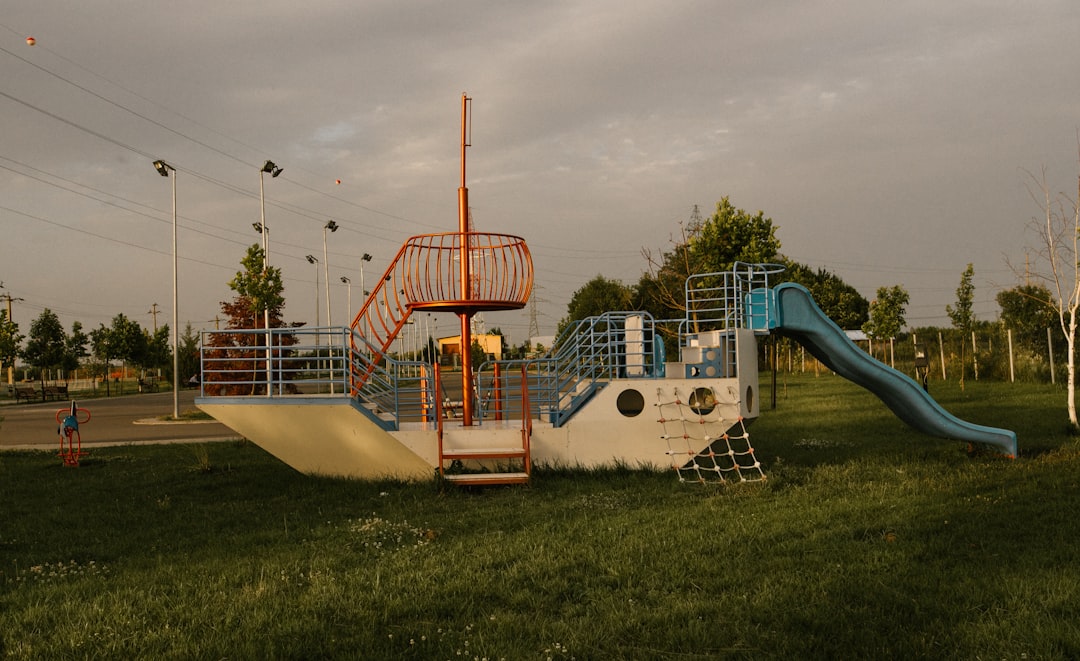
[(113, 420)]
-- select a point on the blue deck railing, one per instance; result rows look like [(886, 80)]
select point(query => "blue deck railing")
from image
[(591, 352)]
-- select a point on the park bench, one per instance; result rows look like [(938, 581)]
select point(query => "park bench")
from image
[(27, 392), (148, 385), (56, 392)]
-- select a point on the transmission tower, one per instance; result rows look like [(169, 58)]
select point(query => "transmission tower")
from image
[(534, 324)]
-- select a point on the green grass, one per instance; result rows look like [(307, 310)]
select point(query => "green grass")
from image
[(867, 540)]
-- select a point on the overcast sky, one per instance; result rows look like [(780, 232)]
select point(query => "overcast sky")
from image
[(888, 141)]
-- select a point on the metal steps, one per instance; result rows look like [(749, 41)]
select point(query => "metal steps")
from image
[(489, 456), (486, 479)]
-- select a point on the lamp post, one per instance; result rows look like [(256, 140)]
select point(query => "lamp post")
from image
[(164, 169), (348, 309), (364, 293), (333, 227), (312, 259), (274, 171), (365, 258)]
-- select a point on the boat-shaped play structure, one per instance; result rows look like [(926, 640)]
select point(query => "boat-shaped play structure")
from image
[(342, 402)]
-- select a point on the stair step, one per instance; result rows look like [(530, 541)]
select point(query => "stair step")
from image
[(487, 478), (483, 453)]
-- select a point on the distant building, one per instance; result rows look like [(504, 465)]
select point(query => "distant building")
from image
[(450, 347)]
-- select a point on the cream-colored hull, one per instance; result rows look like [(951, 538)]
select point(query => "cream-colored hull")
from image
[(632, 422)]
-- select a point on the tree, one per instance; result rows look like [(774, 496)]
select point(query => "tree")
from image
[(837, 299), (188, 357), (887, 313), (963, 316), (478, 355), (730, 235), (74, 348), (1058, 231), (101, 350), (259, 290), (45, 344), (596, 297), (1028, 310), (158, 350), (258, 285), (127, 342), (10, 339)]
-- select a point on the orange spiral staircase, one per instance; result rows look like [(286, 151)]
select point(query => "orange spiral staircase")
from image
[(463, 272)]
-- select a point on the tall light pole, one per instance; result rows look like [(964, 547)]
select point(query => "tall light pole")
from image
[(274, 171), (164, 169), (364, 294), (312, 259), (333, 227), (348, 310), (363, 289)]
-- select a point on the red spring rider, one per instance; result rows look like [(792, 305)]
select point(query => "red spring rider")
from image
[(70, 440)]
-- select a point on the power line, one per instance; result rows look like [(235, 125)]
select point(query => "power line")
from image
[(125, 108)]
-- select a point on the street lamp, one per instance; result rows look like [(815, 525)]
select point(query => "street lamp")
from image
[(348, 310), (312, 259), (365, 258), (274, 171), (333, 227), (164, 169)]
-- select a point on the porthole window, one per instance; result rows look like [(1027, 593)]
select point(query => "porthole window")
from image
[(630, 402), (749, 398), (702, 401)]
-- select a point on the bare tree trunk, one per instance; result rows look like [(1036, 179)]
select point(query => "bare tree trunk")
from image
[(1059, 231), (1070, 362)]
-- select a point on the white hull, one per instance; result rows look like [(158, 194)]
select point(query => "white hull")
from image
[(631, 422)]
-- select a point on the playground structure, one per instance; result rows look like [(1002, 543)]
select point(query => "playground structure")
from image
[(69, 420), (604, 395)]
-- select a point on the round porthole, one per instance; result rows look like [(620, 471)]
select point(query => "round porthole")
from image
[(749, 398), (630, 403), (702, 401)]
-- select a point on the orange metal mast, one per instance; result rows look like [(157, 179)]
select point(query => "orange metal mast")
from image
[(466, 285)]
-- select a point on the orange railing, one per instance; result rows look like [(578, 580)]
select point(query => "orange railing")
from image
[(500, 271), (426, 274)]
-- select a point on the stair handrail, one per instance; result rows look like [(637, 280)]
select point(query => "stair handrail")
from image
[(439, 425), (526, 420)]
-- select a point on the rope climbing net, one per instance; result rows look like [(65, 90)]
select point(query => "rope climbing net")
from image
[(705, 446)]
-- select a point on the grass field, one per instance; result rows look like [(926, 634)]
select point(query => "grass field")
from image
[(867, 540)]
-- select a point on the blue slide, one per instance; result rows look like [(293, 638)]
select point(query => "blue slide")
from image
[(800, 318)]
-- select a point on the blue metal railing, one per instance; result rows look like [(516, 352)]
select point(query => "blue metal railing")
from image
[(314, 362), (588, 354), (339, 362), (729, 300)]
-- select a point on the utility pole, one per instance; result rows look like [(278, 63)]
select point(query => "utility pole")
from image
[(153, 312), (9, 298)]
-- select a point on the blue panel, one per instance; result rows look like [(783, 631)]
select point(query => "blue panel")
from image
[(761, 310)]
